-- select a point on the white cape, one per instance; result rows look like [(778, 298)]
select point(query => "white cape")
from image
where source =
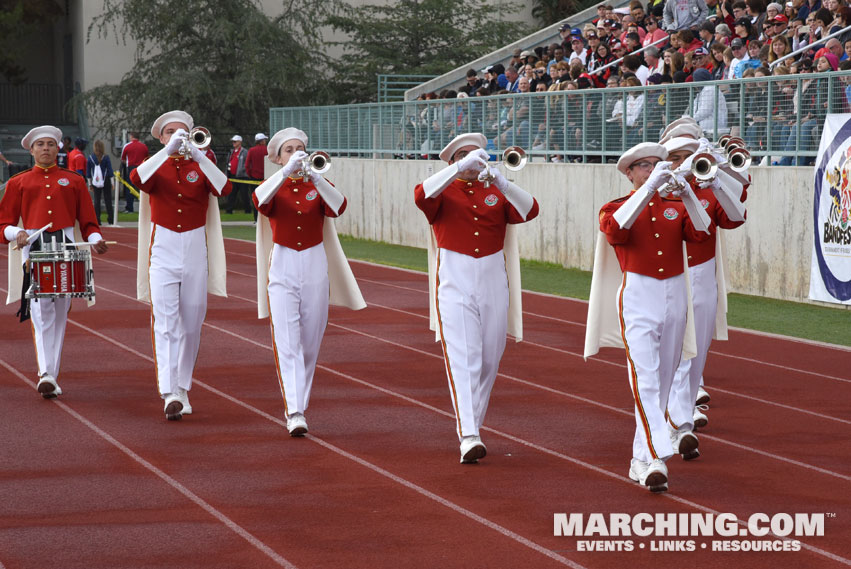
[(512, 268), (216, 264), (344, 287)]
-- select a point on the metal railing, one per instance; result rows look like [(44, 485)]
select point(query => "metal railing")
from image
[(780, 117), (393, 87)]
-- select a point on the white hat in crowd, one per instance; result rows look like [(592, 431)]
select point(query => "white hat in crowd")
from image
[(170, 117), (236, 138), (460, 141), (259, 136), (280, 137), (639, 151), (45, 131)]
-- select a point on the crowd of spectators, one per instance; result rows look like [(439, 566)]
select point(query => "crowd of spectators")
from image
[(690, 42)]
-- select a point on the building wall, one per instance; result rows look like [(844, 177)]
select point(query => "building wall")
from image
[(768, 256)]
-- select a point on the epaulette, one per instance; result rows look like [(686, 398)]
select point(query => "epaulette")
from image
[(619, 200), (72, 172), (19, 173)]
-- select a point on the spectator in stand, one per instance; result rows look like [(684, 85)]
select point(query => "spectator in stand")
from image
[(704, 108), (134, 153), (565, 31), (722, 34), (846, 52), (779, 48), (473, 82), (618, 50), (654, 34), (753, 109), (516, 59), (772, 11), (688, 41), (809, 109), (603, 29), (632, 43), (558, 56), (756, 12), (791, 12), (541, 77), (632, 64), (779, 26), (629, 26), (740, 53), (684, 14), (744, 30), (512, 76), (653, 61), (601, 14), (99, 173), (577, 50), (821, 21), (700, 58), (753, 61), (707, 35), (636, 10), (236, 169), (674, 62), (835, 47), (808, 7), (716, 53)]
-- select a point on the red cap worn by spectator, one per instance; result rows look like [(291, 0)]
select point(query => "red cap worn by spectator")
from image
[(821, 52), (780, 18), (832, 60)]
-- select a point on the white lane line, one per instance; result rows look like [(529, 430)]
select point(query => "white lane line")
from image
[(230, 524)]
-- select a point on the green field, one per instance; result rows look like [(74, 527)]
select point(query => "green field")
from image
[(824, 324)]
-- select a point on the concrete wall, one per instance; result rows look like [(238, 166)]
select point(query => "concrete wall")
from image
[(768, 256)]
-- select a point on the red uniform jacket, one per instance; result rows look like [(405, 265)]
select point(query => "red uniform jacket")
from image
[(653, 246), (44, 195), (469, 218), (297, 214), (179, 193), (254, 164), (134, 153)]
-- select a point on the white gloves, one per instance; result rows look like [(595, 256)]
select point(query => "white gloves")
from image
[(476, 160), (712, 184), (196, 153), (660, 175), (176, 141), (295, 163), (516, 196)]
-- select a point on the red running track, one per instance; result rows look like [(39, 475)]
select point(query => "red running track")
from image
[(98, 478)]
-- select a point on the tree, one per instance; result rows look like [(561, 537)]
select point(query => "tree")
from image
[(417, 37), (225, 63), (549, 12), (19, 19)]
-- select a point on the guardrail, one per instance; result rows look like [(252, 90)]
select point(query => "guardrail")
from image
[(780, 117), (393, 87), (37, 103)]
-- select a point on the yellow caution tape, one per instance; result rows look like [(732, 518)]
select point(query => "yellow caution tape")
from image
[(129, 187)]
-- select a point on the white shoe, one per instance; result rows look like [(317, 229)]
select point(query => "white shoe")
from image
[(654, 475), (184, 398), (472, 449), (702, 396), (699, 419), (297, 425), (48, 387), (173, 407), (685, 443)]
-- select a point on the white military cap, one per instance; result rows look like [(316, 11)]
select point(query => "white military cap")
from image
[(639, 151), (460, 141), (236, 138), (678, 143), (45, 131), (280, 137), (259, 136), (170, 117), (676, 123), (687, 130)]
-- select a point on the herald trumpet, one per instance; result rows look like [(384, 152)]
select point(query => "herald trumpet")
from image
[(318, 162), (739, 159), (199, 137), (514, 158), (704, 167)]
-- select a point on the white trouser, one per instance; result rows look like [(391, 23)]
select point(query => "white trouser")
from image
[(472, 310), (704, 292), (298, 307), (48, 317), (178, 279), (653, 321)]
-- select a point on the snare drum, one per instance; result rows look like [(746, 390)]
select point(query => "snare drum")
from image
[(64, 273)]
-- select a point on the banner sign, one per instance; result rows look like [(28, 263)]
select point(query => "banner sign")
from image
[(830, 274)]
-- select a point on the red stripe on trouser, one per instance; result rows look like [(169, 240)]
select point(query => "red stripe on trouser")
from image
[(633, 375), (443, 345)]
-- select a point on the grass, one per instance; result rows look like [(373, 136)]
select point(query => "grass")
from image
[(801, 320)]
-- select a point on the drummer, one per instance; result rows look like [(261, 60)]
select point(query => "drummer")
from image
[(45, 194)]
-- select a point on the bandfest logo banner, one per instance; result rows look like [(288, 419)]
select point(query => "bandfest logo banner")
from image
[(830, 275)]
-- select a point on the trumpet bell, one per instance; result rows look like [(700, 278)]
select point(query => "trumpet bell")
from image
[(722, 142), (514, 158), (704, 167), (200, 137), (319, 162), (739, 159)]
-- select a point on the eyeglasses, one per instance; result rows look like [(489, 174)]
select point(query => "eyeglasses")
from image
[(539, 71), (644, 164)]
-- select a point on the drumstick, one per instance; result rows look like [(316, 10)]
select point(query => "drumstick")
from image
[(35, 235), (81, 243)]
